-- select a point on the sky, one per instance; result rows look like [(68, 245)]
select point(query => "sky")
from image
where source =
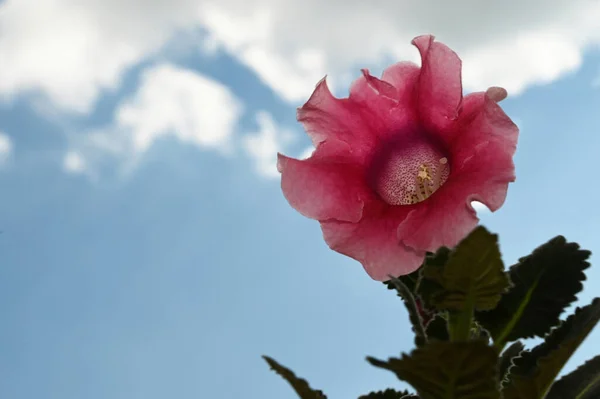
[(146, 248)]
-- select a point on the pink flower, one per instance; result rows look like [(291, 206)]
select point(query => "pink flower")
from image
[(399, 161)]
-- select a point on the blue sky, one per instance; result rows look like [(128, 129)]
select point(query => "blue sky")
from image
[(147, 250)]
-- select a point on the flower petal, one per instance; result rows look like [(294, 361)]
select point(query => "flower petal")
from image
[(373, 242), (483, 123), (486, 174), (440, 85), (325, 117), (378, 86), (324, 186), (447, 216), (388, 110), (497, 93), (481, 169), (430, 227), (404, 76), (335, 185)]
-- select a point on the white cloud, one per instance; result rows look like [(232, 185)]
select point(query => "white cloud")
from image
[(263, 145), (180, 103), (170, 101), (512, 44), (183, 103), (73, 163), (6, 147), (71, 50), (248, 33)]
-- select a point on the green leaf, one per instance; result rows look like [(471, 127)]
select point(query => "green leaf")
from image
[(437, 329), (300, 385), (388, 394), (474, 273), (544, 284), (506, 360), (583, 383), (448, 370), (413, 311), (428, 287), (534, 371), (468, 278)]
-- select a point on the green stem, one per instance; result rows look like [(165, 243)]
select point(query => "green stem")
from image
[(460, 322)]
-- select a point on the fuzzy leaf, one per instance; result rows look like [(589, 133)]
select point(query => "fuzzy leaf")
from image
[(473, 275), (477, 332), (544, 284), (583, 383), (300, 385), (448, 370), (507, 359), (535, 370), (388, 394), (433, 266)]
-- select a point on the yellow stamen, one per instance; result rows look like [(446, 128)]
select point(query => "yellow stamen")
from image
[(427, 189), (424, 172), (418, 182), (426, 183), (438, 173)]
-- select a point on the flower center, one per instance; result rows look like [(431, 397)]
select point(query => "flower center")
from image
[(409, 172)]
